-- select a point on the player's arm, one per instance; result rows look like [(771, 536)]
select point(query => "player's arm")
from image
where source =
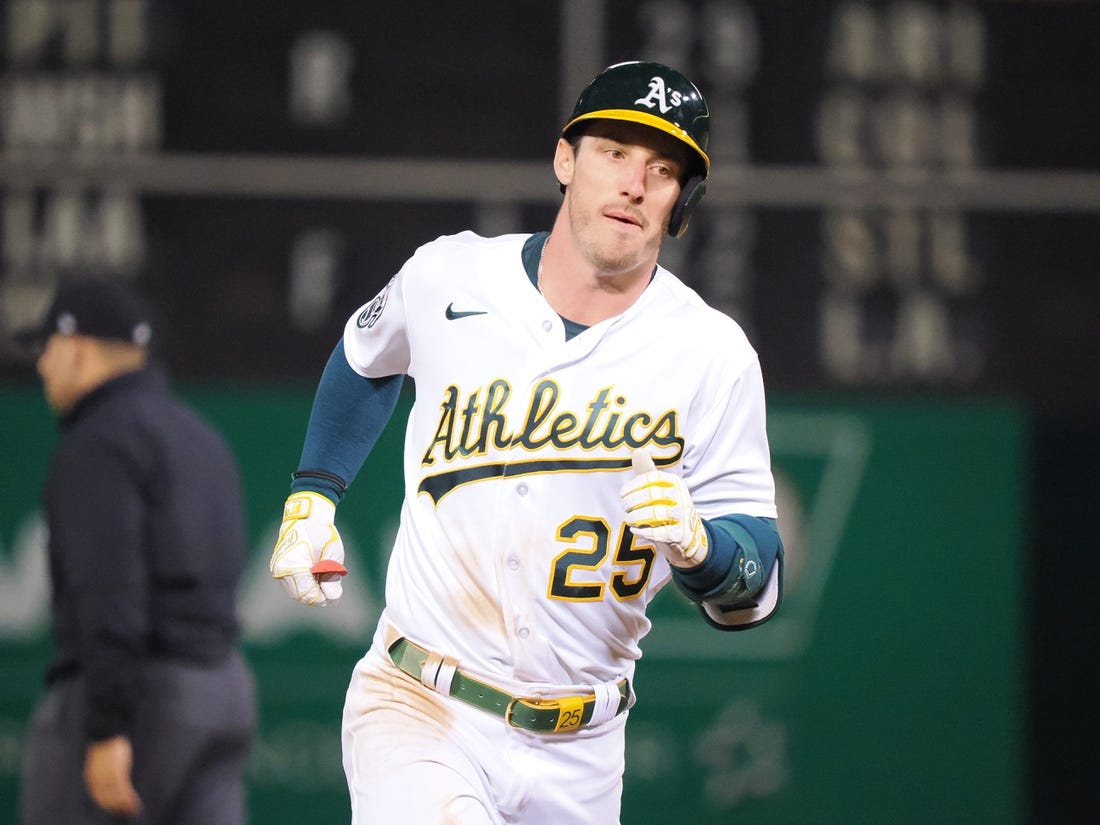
[(349, 414), (740, 582), (730, 566)]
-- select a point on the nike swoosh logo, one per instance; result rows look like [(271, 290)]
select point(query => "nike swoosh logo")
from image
[(452, 313)]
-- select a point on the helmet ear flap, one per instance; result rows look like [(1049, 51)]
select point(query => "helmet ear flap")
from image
[(690, 194)]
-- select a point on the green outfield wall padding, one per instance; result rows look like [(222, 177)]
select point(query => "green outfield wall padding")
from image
[(888, 689)]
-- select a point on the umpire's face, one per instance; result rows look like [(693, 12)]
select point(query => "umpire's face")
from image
[(621, 182), (60, 367)]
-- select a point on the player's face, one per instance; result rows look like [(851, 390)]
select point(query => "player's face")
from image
[(622, 181)]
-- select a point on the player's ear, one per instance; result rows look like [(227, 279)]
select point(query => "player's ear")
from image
[(564, 162)]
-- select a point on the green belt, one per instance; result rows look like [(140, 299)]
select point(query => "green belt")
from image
[(568, 713)]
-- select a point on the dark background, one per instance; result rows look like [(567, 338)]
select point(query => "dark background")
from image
[(482, 81)]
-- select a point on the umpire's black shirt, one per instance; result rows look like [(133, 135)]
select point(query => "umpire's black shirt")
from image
[(147, 541)]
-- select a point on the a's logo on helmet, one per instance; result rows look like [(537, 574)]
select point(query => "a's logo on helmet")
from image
[(660, 97)]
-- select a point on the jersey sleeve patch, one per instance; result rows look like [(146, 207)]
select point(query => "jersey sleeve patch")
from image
[(373, 311)]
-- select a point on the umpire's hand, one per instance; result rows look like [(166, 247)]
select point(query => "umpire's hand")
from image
[(107, 766), (309, 556)]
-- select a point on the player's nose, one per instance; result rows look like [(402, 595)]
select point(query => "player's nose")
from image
[(633, 180)]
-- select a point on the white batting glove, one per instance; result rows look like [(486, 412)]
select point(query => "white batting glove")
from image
[(659, 509), (309, 556)]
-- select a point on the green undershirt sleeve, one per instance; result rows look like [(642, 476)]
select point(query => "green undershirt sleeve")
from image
[(349, 414), (743, 549)]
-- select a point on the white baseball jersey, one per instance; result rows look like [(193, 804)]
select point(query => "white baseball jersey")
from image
[(512, 553)]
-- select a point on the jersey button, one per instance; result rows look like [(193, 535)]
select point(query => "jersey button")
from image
[(547, 325), (524, 632), (522, 489), (513, 563)]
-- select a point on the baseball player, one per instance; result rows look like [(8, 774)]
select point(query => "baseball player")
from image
[(585, 429)]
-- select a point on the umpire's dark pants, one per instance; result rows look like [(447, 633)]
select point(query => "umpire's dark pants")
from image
[(191, 741)]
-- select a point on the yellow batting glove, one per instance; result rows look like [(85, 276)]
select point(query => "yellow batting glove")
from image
[(309, 556), (659, 509)]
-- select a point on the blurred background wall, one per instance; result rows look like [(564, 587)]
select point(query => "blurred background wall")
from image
[(904, 214)]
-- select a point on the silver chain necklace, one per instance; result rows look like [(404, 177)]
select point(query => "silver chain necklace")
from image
[(542, 257)]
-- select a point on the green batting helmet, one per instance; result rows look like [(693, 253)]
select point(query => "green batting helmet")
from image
[(653, 95)]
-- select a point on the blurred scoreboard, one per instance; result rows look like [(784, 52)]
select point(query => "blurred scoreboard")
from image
[(905, 195)]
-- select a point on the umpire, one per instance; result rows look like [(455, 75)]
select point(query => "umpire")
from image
[(149, 714)]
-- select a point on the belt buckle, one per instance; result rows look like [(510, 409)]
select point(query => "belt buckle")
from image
[(508, 711)]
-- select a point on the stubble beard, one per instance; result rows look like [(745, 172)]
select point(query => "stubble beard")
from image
[(609, 258)]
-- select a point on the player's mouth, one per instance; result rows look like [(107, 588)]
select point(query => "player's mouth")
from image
[(625, 218)]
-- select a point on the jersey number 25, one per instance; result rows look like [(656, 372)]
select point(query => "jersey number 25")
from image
[(594, 534)]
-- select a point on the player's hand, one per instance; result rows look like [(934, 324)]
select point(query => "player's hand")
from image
[(309, 556), (659, 509)]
